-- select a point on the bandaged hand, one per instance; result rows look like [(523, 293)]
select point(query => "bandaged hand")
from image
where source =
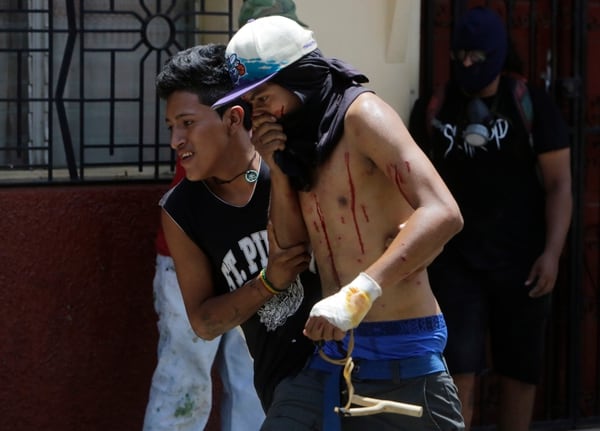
[(346, 308)]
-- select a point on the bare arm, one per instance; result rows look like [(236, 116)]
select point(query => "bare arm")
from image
[(211, 315), (436, 218), (555, 167)]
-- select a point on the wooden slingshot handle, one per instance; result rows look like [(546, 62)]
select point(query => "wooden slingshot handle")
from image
[(370, 406), (373, 405)]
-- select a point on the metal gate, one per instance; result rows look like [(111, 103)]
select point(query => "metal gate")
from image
[(559, 42), (77, 97)]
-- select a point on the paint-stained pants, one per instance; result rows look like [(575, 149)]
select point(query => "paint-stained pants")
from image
[(181, 390)]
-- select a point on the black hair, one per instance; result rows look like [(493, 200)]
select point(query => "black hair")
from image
[(201, 70)]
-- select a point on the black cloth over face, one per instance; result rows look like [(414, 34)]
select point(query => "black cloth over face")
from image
[(326, 87)]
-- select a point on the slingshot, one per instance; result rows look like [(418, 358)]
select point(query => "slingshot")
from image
[(369, 406)]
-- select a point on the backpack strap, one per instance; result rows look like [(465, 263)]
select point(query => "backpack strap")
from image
[(522, 98)]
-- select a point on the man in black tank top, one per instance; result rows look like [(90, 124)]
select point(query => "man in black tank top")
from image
[(230, 268)]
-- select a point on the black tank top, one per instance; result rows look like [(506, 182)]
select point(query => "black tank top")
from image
[(234, 238)]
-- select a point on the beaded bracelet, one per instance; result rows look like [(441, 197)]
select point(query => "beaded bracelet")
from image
[(268, 285)]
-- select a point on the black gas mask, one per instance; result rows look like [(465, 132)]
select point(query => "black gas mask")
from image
[(479, 31), (479, 130)]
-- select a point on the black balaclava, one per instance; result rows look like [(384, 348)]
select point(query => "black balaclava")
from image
[(480, 29), (326, 87)]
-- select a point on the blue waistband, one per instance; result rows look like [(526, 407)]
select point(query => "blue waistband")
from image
[(398, 339), (394, 370)]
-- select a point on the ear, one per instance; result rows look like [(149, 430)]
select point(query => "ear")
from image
[(235, 117)]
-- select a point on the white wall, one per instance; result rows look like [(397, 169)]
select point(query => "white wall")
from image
[(378, 37)]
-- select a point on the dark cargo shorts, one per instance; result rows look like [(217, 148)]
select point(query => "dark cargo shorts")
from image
[(298, 404), (476, 303)]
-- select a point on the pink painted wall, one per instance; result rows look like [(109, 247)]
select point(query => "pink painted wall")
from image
[(77, 325)]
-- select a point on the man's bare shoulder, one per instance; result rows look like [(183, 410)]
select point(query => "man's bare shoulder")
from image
[(365, 105), (370, 114)]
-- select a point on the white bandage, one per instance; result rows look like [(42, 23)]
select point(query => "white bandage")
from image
[(348, 307)]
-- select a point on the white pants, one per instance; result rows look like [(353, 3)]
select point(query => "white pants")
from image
[(181, 390)]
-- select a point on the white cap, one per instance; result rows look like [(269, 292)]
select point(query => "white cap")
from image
[(260, 49)]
